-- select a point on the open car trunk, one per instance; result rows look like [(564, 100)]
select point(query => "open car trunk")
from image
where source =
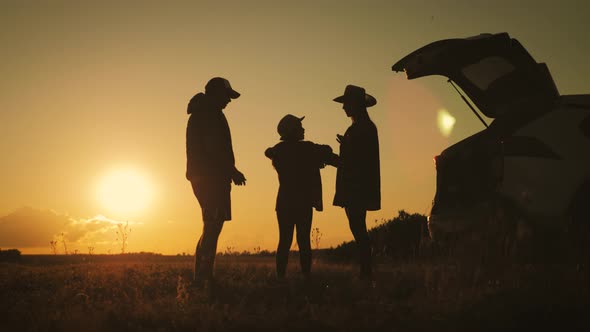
[(494, 70)]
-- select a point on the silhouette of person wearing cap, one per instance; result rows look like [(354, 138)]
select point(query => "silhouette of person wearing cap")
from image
[(298, 164), (211, 167), (358, 185)]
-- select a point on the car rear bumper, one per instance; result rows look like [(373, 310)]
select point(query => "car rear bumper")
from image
[(460, 221)]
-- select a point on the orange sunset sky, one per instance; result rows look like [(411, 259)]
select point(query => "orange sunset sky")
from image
[(93, 99)]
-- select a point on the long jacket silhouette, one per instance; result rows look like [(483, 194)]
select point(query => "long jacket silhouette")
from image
[(298, 165), (209, 151), (358, 178)]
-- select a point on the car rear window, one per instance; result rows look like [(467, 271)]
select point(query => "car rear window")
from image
[(524, 146), (486, 71)]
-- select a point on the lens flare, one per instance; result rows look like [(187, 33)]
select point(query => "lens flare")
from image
[(446, 122)]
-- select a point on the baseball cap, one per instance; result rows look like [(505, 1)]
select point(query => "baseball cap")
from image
[(221, 85), (288, 124)]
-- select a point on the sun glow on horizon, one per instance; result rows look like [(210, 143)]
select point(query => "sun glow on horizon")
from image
[(125, 192)]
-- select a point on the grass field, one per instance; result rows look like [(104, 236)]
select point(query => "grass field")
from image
[(154, 293)]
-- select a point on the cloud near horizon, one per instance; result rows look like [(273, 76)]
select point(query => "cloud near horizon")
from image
[(29, 227)]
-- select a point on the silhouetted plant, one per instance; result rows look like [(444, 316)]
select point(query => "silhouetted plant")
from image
[(63, 242), (316, 237), (53, 244), (10, 255), (90, 250), (123, 231), (229, 250), (399, 238), (182, 293)]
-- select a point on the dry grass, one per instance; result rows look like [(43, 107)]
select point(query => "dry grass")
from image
[(157, 295)]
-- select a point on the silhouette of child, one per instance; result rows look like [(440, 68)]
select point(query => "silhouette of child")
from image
[(298, 165)]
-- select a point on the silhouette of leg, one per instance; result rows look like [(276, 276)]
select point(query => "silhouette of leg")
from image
[(207, 248), (303, 225), (286, 227), (198, 259), (358, 227)]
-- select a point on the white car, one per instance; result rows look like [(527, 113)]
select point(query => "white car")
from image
[(528, 172)]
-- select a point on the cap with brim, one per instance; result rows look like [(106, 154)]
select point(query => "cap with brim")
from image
[(356, 94), (221, 85), (288, 124)]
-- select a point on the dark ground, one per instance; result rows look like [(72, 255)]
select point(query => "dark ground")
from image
[(153, 293)]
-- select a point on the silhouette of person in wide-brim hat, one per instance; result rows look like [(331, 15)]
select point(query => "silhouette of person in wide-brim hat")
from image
[(358, 183), (356, 95)]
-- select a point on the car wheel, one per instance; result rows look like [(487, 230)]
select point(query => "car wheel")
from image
[(508, 232)]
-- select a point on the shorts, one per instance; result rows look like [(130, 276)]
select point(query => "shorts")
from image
[(214, 198)]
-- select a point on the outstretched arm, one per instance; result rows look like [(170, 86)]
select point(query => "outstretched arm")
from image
[(326, 156), (333, 160)]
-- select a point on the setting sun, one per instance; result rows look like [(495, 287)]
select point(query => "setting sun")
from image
[(124, 191)]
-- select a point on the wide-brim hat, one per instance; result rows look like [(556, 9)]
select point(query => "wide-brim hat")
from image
[(218, 85), (356, 94)]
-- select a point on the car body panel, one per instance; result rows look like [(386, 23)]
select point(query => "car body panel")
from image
[(537, 188), (545, 187)]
